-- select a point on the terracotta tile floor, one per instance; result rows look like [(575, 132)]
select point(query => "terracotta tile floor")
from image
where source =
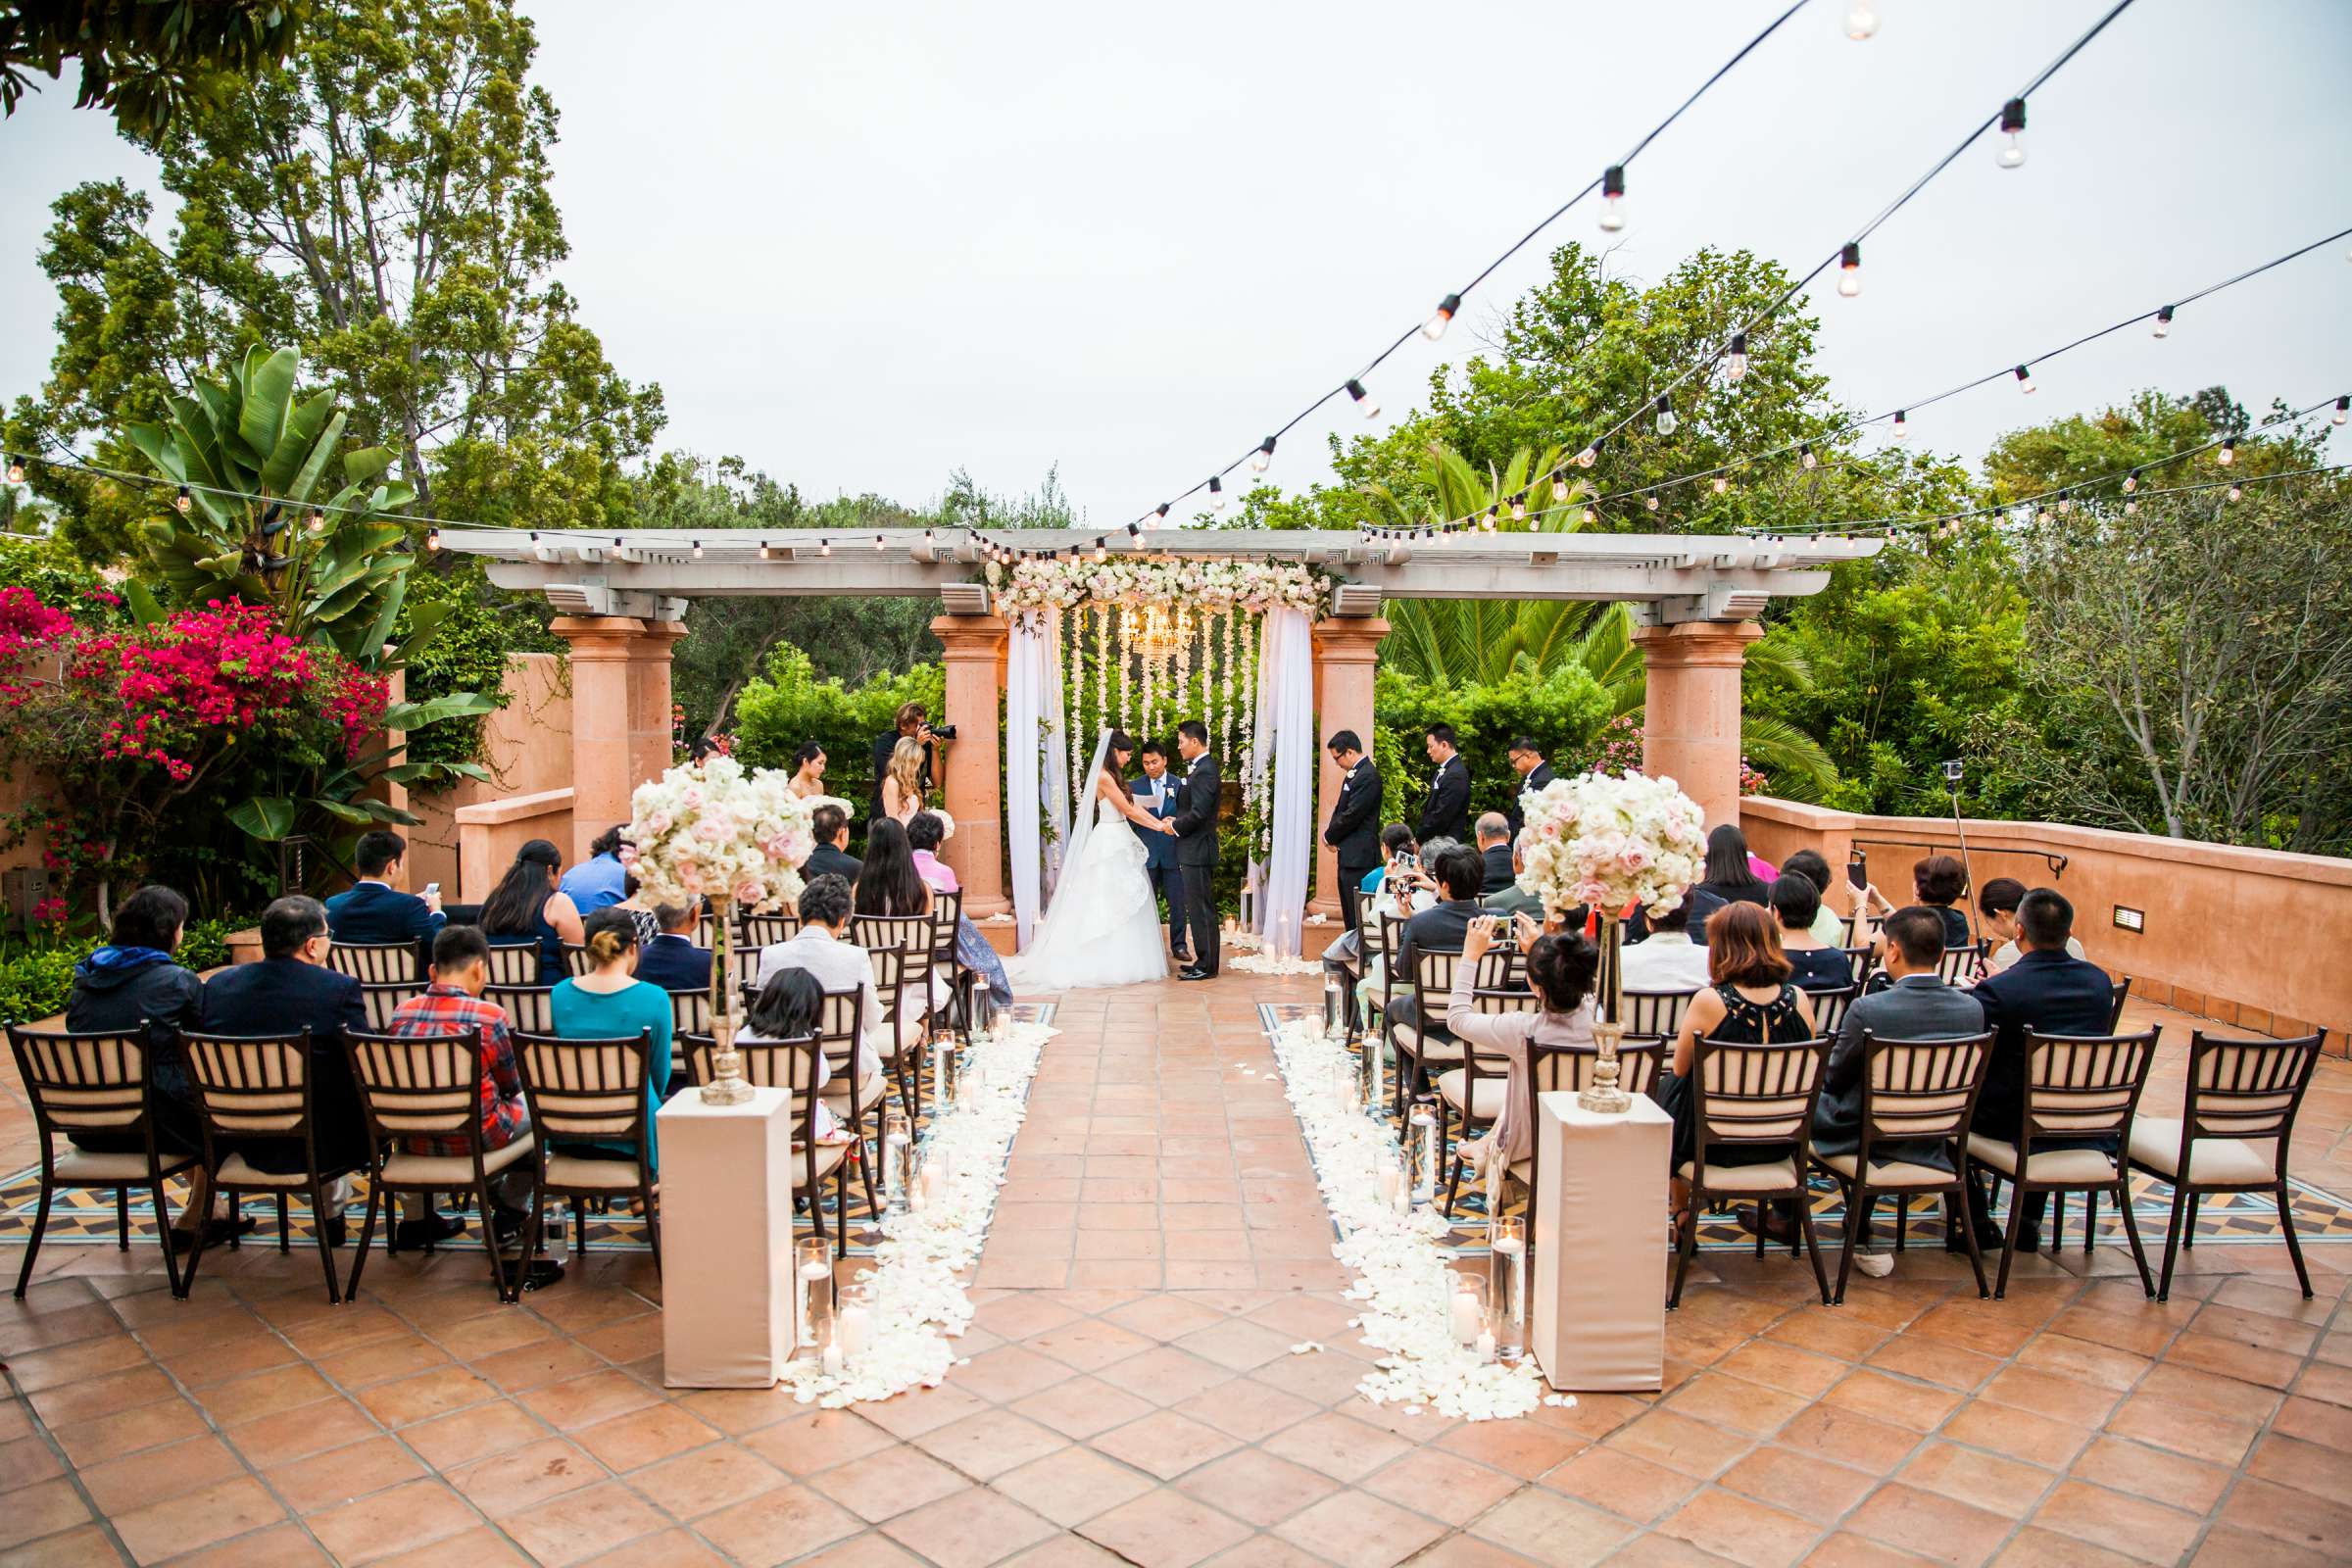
[(1131, 1398)]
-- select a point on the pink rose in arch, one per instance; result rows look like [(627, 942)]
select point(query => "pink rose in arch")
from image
[(748, 891)]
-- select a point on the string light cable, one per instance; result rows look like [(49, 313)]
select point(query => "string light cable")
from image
[(1611, 183)]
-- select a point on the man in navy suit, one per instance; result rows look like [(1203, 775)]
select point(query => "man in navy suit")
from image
[(672, 960), (374, 910), (1156, 792), (290, 990), (1447, 813), (2047, 989), (1354, 831)]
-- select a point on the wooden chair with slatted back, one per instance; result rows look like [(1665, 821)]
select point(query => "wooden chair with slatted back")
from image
[(767, 930), (95, 1084), (531, 1007), (375, 964), (1751, 1098), (590, 1092), (689, 1015), (576, 961), (2079, 1092), (430, 1086), (1568, 1070), (907, 1005), (1829, 1008), (1960, 962), (794, 1065), (2236, 1121), (1653, 1015), (514, 963), (383, 1000), (1913, 1092), (250, 1089)]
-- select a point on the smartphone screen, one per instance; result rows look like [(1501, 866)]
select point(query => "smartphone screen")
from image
[(1857, 871)]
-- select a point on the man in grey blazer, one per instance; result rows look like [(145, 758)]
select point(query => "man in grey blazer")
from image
[(1195, 826), (1919, 1005)]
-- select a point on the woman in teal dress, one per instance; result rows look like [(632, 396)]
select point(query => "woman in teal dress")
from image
[(610, 1003)]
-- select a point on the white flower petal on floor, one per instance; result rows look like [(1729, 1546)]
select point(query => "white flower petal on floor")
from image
[(1274, 963), (1402, 1273), (918, 1299)]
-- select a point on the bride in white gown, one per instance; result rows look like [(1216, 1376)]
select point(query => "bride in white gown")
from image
[(1103, 925)]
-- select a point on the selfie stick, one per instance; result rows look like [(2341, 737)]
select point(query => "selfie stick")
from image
[(1951, 781)]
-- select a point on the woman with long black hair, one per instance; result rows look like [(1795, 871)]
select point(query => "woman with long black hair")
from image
[(526, 906), (1729, 879)]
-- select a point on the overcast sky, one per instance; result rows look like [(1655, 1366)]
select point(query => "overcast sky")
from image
[(862, 246)]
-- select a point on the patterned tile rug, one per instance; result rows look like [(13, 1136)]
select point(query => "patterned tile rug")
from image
[(88, 1218), (2321, 1217)]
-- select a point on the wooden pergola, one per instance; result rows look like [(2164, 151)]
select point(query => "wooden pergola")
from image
[(623, 599)]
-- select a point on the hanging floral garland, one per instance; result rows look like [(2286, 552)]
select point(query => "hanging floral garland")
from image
[(1126, 617), (1256, 586), (1208, 671), (1101, 668), (1233, 656)]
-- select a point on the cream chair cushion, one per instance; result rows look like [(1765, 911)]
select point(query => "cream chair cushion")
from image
[(81, 1165), (450, 1170), (236, 1172), (837, 1092), (572, 1171), (2156, 1144), (1437, 1049), (828, 1158), (1888, 1175), (1778, 1176), (2088, 1167), (1488, 1093)]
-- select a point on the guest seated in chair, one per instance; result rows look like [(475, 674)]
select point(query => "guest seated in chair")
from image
[(831, 857), (1917, 1006), (1751, 999), (2047, 989), (453, 1004), (1440, 928), (1495, 852), (1561, 968), (1511, 897), (1731, 878), (610, 1003), (925, 835), (1997, 912), (790, 1006), (1941, 881), (1814, 964), (132, 985), (671, 960), (373, 909), (1667, 959), (821, 946), (603, 879), (1830, 928), (292, 989), (527, 909)]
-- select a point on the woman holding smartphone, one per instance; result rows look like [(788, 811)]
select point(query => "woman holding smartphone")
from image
[(1562, 967)]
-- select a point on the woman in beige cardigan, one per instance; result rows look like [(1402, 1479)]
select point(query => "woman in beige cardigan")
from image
[(1562, 967)]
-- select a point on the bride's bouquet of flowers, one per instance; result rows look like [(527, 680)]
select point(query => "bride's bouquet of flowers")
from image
[(715, 829), (1608, 841)]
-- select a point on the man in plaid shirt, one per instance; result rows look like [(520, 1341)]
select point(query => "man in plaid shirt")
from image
[(453, 1004)]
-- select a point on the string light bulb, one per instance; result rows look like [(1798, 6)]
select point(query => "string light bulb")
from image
[(2343, 411), (1612, 199), (2228, 453), (1666, 419), (2131, 482), (1849, 269), (2025, 380), (1722, 484), (696, 552), (2130, 508), (1592, 516), (1435, 327), (877, 541), (183, 501), (1735, 363), (766, 554), (1519, 506), (317, 520), (2234, 492), (1653, 502), (1485, 522), (1861, 20), (1363, 400), (432, 539), (1261, 459), (1102, 550), (16, 470), (1902, 424), (1216, 493), (1159, 515), (2012, 153), (1585, 459), (1804, 455), (824, 547), (2164, 323)]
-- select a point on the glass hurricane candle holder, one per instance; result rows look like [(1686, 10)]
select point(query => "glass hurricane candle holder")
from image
[(1423, 1142), (1372, 1076), (1506, 1274), (1466, 1312), (813, 1297), (898, 1160)]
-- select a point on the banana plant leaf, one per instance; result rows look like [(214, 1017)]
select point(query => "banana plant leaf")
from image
[(268, 387), (267, 817), (415, 716)]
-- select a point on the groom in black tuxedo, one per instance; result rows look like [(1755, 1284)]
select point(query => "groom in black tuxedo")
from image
[(1195, 826)]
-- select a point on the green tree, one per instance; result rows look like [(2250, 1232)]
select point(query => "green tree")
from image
[(380, 202), (143, 61)]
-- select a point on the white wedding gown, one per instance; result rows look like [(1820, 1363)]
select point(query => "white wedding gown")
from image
[(1103, 925)]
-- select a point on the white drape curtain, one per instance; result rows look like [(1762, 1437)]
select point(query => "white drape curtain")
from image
[(1036, 795), (1286, 735)]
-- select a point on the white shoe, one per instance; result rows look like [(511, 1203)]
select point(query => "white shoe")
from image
[(1878, 1265)]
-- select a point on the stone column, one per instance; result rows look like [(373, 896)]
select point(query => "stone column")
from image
[(974, 785), (1346, 650), (603, 649), (1691, 727), (650, 729)]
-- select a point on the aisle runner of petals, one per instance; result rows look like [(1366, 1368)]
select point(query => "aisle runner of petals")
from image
[(1402, 1267), (918, 1301)]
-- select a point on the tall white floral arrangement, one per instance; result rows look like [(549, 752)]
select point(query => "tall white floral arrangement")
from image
[(715, 829), (1609, 842)]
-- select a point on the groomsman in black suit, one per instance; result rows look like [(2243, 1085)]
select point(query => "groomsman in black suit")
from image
[(1354, 826), (1155, 792), (1527, 761), (1447, 813), (1195, 827)]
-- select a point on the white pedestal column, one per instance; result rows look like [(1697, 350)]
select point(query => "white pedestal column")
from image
[(1600, 1283), (726, 1240)]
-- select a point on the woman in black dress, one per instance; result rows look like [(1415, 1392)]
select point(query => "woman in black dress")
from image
[(1814, 964)]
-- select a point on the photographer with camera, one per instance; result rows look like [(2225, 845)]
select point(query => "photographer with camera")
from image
[(914, 724)]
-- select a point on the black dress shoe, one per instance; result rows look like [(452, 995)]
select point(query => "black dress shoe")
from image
[(420, 1232), (336, 1231), (1194, 972), (539, 1273)]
